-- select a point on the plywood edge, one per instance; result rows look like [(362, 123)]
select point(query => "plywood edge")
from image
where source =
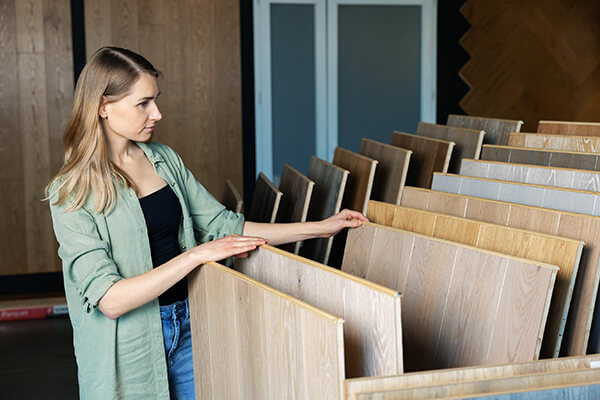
[(398, 338), (424, 138), (498, 146), (448, 157), (479, 144), (536, 263), (278, 195), (588, 324), (388, 146), (546, 167), (403, 180), (371, 179)]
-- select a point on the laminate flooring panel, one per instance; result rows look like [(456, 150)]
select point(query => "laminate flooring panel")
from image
[(584, 144), (456, 375), (428, 156), (232, 198), (461, 306), (371, 313), (330, 183), (562, 252), (553, 222), (296, 192), (391, 172), (569, 128), (253, 342), (360, 178), (468, 141), (265, 201), (550, 158), (496, 130)]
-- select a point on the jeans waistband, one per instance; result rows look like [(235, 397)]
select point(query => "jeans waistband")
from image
[(179, 309)]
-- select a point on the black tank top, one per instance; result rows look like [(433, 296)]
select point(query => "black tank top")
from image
[(162, 212)]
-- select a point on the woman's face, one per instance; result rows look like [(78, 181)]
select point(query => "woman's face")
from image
[(135, 115)]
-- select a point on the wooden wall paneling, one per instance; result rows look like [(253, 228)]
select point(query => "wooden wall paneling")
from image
[(441, 278), (251, 341), (562, 252), (456, 375), (297, 191), (554, 222), (584, 144), (569, 128), (550, 158), (496, 129), (371, 313), (360, 178), (390, 175), (468, 141), (428, 155), (265, 201), (330, 182), (232, 198)]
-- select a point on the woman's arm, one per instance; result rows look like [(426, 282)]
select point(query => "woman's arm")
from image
[(128, 294), (278, 234)]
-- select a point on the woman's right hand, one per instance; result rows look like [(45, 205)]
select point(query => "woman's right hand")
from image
[(228, 246)]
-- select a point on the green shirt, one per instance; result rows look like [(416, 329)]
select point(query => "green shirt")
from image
[(124, 358)]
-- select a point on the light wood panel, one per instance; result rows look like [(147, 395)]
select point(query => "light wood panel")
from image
[(461, 306), (330, 183), (562, 252), (293, 207), (428, 156), (390, 175), (585, 144), (196, 44), (550, 158), (569, 128), (232, 198), (496, 129), (553, 222), (455, 375), (371, 313), (251, 341), (468, 141), (360, 179), (265, 201), (36, 87)]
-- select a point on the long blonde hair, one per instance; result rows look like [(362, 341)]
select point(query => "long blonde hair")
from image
[(109, 74)]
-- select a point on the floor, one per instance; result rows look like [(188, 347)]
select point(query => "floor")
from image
[(37, 361)]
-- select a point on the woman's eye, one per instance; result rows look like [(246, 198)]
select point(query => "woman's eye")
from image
[(143, 104)]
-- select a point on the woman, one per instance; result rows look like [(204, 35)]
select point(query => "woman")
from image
[(127, 215)]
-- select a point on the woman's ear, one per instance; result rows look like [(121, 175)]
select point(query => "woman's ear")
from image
[(103, 112)]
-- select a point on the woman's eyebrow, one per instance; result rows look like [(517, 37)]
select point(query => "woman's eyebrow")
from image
[(149, 97)]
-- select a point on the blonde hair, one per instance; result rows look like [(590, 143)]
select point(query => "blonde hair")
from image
[(109, 74)]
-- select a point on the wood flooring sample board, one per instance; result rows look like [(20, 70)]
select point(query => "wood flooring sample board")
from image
[(496, 129), (360, 178), (554, 222), (571, 128), (371, 313), (585, 144), (563, 252), (390, 175), (253, 342), (265, 201), (232, 198), (550, 158), (461, 306)]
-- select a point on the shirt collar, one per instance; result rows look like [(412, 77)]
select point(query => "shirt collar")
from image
[(152, 155)]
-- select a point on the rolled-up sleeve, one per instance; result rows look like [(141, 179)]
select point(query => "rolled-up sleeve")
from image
[(85, 255)]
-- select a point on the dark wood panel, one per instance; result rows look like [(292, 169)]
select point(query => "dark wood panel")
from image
[(265, 201)]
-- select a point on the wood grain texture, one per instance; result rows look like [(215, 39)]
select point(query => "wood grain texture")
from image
[(456, 375), (468, 141), (550, 158), (251, 341), (553, 222), (583, 144), (360, 178), (371, 313), (265, 201), (428, 156), (391, 172), (562, 252), (232, 198), (569, 128), (330, 183), (496, 129), (461, 306)]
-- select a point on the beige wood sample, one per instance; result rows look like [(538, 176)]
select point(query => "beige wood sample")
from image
[(371, 313), (569, 128), (296, 192), (390, 175), (550, 158), (360, 179), (461, 306), (232, 198), (456, 375), (584, 144), (496, 129), (265, 201), (562, 252), (554, 222), (428, 156), (468, 141), (253, 342), (330, 183)]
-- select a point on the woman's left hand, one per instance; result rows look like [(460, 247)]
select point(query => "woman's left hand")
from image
[(344, 219)]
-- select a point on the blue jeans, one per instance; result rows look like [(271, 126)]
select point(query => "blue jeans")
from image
[(177, 337)]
